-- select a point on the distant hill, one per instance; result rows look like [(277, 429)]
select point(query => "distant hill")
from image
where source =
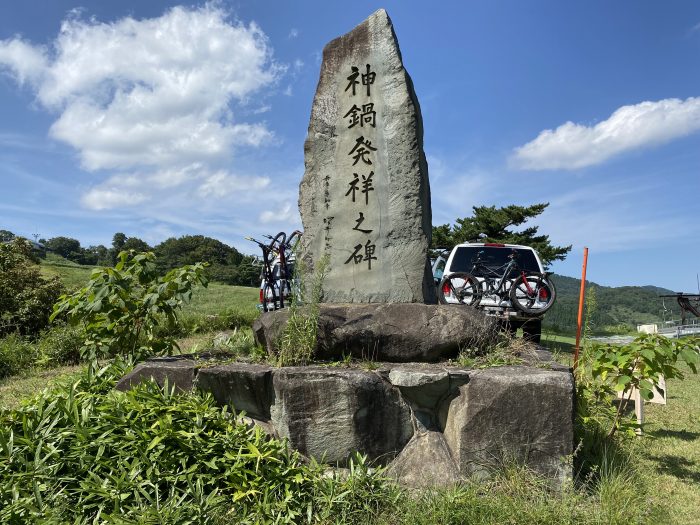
[(619, 309)]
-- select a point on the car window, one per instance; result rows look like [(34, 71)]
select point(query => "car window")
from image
[(493, 257), (439, 268)]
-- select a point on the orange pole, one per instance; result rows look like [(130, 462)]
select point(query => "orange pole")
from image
[(581, 297)]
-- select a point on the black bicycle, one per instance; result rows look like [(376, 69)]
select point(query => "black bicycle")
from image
[(529, 292), (277, 276), (271, 296)]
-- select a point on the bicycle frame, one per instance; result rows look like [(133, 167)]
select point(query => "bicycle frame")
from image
[(279, 246), (267, 274), (487, 273)]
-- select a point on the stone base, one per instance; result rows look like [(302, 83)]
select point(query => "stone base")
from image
[(398, 332), (431, 424)]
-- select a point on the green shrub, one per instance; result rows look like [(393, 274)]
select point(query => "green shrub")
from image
[(59, 346), (17, 355), (606, 369), (121, 307), (26, 297)]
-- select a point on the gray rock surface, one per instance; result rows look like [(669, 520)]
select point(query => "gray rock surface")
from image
[(177, 371), (507, 414), (432, 424), (365, 195), (425, 462), (333, 413), (243, 387), (400, 332)]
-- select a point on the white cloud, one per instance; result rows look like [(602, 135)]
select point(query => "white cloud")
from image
[(107, 197), (573, 146), (222, 184), (26, 62), (154, 96), (293, 33), (286, 213)]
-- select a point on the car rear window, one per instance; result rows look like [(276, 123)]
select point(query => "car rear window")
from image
[(493, 257)]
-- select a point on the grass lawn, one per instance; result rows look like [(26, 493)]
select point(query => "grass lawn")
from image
[(218, 297), (16, 388), (564, 344), (669, 453), (74, 275)]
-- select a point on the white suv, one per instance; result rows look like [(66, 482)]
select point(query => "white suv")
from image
[(504, 280)]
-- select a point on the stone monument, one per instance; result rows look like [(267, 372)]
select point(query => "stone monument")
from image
[(365, 196), (365, 204)]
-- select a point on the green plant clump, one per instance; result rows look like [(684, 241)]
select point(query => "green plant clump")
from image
[(606, 369), (121, 307), (25, 297), (298, 341), (57, 346), (85, 453)]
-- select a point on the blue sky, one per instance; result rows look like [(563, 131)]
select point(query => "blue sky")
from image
[(158, 119)]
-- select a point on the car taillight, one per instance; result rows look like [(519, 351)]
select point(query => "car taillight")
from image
[(543, 294), (446, 290), (497, 244), (262, 296)]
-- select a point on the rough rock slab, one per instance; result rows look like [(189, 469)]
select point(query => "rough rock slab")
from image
[(432, 423), (505, 414), (365, 196), (399, 332), (425, 462), (243, 387), (178, 371), (333, 413)]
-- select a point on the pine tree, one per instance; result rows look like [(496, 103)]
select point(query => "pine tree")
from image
[(497, 225)]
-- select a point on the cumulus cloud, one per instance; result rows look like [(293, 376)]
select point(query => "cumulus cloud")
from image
[(106, 197), (573, 146), (222, 184), (27, 63), (157, 97), (286, 213)]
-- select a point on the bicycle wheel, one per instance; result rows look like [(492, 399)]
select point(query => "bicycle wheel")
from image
[(459, 288), (277, 243), (532, 294), (271, 297)]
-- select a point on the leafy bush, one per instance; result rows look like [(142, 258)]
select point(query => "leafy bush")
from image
[(26, 297), (59, 346), (17, 355), (606, 369), (121, 307)]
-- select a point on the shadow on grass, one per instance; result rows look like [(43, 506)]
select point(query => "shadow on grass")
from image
[(678, 467), (683, 435), (558, 346)]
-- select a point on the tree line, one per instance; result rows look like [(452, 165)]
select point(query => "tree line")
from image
[(227, 264)]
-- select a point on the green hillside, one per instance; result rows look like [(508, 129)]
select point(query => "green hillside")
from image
[(74, 275), (618, 309)]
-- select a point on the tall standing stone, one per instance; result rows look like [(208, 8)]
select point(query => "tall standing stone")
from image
[(365, 196)]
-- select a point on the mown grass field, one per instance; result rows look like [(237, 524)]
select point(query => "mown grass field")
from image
[(74, 275), (667, 456)]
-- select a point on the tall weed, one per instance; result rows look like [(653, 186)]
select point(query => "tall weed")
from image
[(297, 344)]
